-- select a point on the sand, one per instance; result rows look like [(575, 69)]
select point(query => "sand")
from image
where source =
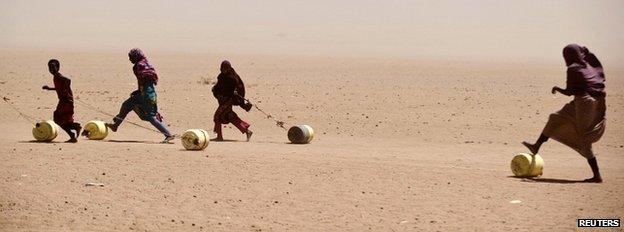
[(401, 145)]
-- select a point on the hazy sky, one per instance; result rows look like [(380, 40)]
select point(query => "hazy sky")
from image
[(472, 30)]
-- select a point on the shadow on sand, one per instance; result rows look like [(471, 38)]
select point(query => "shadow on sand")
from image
[(35, 141), (132, 141), (548, 180), (225, 141)]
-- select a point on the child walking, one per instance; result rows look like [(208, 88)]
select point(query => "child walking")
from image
[(64, 113)]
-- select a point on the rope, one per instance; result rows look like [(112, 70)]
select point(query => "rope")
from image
[(24, 116), (268, 116), (94, 108), (31, 119)]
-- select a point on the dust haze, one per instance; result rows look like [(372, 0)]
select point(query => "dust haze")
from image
[(417, 109), (502, 31)]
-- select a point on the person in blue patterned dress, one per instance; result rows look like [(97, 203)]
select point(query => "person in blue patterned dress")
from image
[(143, 100)]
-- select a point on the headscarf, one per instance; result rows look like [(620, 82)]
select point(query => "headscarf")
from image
[(577, 54), (573, 54), (229, 82), (142, 69), (240, 86), (580, 77), (591, 59), (227, 67)]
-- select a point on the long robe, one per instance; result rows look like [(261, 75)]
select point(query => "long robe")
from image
[(64, 113), (580, 122), (146, 105), (229, 91)]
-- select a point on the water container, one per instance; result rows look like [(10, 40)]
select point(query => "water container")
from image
[(45, 131), (527, 165), (300, 134), (195, 139), (95, 130)]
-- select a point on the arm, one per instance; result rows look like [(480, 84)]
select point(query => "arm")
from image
[(566, 91), (45, 87), (574, 82)]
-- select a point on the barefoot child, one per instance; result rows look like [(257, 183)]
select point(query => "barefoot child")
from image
[(64, 113), (229, 91), (581, 122), (143, 100)]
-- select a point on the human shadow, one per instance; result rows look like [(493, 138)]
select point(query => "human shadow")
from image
[(548, 180), (558, 181), (35, 141), (132, 141), (225, 141), (191, 150), (269, 142), (296, 144)]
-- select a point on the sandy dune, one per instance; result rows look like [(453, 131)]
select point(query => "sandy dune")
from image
[(402, 145)]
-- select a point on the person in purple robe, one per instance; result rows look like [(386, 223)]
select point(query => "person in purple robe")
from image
[(581, 122), (229, 91)]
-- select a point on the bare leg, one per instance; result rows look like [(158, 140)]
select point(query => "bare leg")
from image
[(534, 148), (126, 107), (217, 129), (77, 128), (248, 133), (593, 163), (72, 136)]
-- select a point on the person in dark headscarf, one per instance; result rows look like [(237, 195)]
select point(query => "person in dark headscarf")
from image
[(581, 122), (143, 100), (64, 113), (230, 91)]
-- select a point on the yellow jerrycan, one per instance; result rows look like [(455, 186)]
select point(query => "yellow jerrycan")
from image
[(527, 165), (45, 131), (195, 139), (95, 130), (300, 134)]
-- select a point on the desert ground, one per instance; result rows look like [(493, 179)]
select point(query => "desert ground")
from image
[(401, 145)]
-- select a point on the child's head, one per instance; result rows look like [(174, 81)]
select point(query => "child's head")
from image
[(54, 65), (135, 55)]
